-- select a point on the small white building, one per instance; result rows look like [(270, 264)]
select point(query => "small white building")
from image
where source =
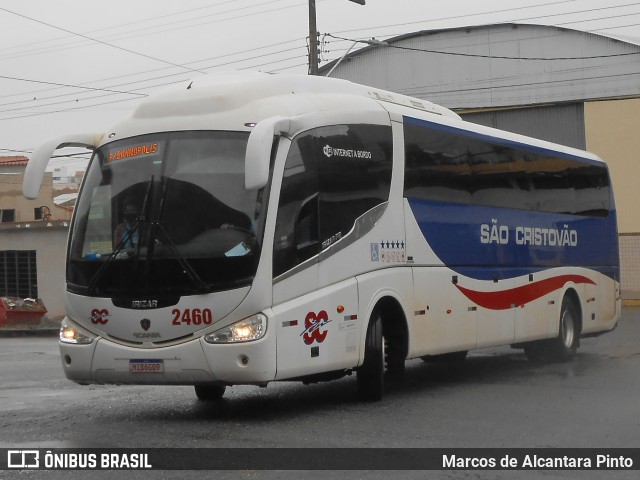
[(33, 237)]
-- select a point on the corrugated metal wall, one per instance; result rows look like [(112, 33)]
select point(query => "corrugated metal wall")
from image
[(562, 124)]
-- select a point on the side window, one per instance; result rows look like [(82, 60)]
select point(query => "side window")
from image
[(354, 175), (296, 236), (447, 167), (436, 166), (565, 186), (499, 176), (332, 176)]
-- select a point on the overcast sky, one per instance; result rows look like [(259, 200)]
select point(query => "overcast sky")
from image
[(79, 65)]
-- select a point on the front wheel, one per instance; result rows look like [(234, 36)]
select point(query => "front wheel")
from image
[(370, 375)]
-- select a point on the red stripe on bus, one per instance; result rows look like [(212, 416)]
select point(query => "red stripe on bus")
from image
[(505, 299)]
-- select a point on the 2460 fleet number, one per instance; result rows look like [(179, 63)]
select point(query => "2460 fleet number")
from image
[(192, 316)]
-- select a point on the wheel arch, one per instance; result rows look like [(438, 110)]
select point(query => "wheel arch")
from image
[(561, 347), (395, 325)]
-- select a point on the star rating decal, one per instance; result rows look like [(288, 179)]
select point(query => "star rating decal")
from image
[(393, 244)]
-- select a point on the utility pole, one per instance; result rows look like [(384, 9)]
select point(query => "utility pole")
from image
[(313, 36), (313, 39)]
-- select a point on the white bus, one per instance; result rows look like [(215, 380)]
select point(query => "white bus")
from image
[(251, 228)]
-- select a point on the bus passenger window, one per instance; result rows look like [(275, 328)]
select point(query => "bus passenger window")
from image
[(296, 223), (333, 175), (354, 176)]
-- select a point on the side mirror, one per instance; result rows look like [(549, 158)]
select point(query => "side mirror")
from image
[(258, 155), (40, 159)]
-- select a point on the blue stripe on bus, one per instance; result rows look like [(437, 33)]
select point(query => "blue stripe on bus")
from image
[(454, 232)]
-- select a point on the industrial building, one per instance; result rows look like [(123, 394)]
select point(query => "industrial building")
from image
[(570, 87)]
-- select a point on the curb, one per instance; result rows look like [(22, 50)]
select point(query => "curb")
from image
[(631, 303)]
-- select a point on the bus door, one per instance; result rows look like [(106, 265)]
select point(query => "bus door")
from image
[(317, 332), (336, 179)]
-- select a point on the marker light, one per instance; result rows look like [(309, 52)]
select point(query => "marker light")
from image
[(247, 330), (73, 335)]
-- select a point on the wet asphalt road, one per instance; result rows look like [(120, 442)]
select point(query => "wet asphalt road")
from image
[(495, 399)]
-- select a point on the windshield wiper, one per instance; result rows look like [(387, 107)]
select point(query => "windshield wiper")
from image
[(140, 220), (191, 273)]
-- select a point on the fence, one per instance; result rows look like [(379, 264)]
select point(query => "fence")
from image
[(630, 265)]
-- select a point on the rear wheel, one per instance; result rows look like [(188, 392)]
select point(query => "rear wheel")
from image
[(564, 346), (210, 393), (370, 375)]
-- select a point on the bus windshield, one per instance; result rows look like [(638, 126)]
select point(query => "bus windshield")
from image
[(166, 214)]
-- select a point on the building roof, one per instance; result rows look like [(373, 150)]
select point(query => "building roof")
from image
[(18, 161), (499, 65)]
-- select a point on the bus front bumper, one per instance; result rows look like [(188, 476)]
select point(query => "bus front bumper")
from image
[(191, 363)]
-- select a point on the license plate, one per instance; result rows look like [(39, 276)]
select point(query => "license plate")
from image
[(146, 366)]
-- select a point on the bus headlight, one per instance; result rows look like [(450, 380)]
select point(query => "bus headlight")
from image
[(247, 330), (72, 334)]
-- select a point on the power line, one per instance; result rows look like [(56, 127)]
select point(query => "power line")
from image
[(84, 107), (164, 30), (146, 20), (137, 24), (95, 89), (133, 92), (493, 42), (155, 78), (136, 33), (457, 17), (614, 27), (567, 1), (610, 7), (98, 41), (499, 57), (119, 77), (535, 37)]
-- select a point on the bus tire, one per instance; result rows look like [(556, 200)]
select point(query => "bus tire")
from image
[(210, 393), (564, 346), (393, 359), (370, 375)]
